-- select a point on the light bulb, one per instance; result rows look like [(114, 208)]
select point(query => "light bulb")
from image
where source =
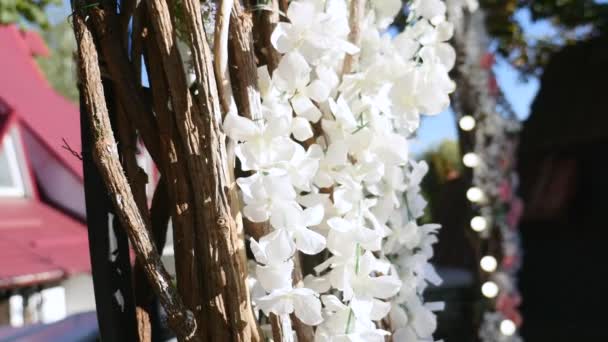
[(507, 327), (466, 123), (488, 263), (489, 289), (470, 160), (475, 194), (478, 223)]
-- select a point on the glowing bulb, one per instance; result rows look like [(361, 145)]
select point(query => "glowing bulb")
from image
[(466, 123), (507, 327), (470, 160), (478, 223), (488, 263), (489, 289), (475, 194)]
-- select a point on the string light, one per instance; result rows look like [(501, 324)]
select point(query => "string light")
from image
[(488, 263), (466, 123), (478, 223), (475, 194), (489, 289), (507, 327), (470, 160)]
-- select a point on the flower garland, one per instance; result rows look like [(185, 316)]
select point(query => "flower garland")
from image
[(493, 191), (331, 170)]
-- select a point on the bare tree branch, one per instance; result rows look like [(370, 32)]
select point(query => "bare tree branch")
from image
[(106, 158), (357, 10)]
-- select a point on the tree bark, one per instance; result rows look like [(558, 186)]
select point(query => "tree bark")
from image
[(106, 157), (226, 302)]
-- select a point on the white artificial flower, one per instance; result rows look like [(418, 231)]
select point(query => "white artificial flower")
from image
[(262, 147), (265, 194), (291, 218), (292, 77), (361, 284), (354, 179), (429, 9), (313, 32), (386, 11), (274, 251), (303, 302), (348, 323)]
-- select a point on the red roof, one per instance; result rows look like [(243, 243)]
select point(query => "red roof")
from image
[(23, 87), (39, 243), (35, 43)]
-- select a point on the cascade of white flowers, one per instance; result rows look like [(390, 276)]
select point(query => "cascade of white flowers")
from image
[(347, 186)]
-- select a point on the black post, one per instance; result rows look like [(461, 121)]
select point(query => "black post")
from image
[(108, 247)]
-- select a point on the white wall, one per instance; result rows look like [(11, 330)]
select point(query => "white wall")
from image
[(79, 294)]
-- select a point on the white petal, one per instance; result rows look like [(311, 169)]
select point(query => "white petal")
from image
[(255, 212), (239, 128), (308, 241), (339, 224), (276, 302), (279, 246), (275, 276), (304, 107), (301, 129), (317, 284), (384, 287), (293, 73), (313, 215), (424, 322), (307, 306), (258, 251), (379, 310), (317, 91), (332, 303)]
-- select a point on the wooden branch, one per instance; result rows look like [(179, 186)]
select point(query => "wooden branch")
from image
[(144, 295), (128, 87), (243, 68), (357, 11), (179, 189), (283, 5), (220, 49), (265, 20), (127, 10), (127, 150), (137, 37), (106, 158), (111, 273), (227, 301)]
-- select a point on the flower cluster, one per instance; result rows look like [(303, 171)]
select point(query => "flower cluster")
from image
[(494, 127), (330, 168)]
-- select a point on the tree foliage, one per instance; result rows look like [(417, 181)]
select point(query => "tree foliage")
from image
[(30, 11), (59, 66), (574, 20)]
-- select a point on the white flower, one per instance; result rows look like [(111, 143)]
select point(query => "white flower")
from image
[(386, 11), (291, 218), (349, 323), (313, 32), (265, 194), (274, 251), (362, 284), (292, 77), (429, 9), (301, 301), (355, 179)]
